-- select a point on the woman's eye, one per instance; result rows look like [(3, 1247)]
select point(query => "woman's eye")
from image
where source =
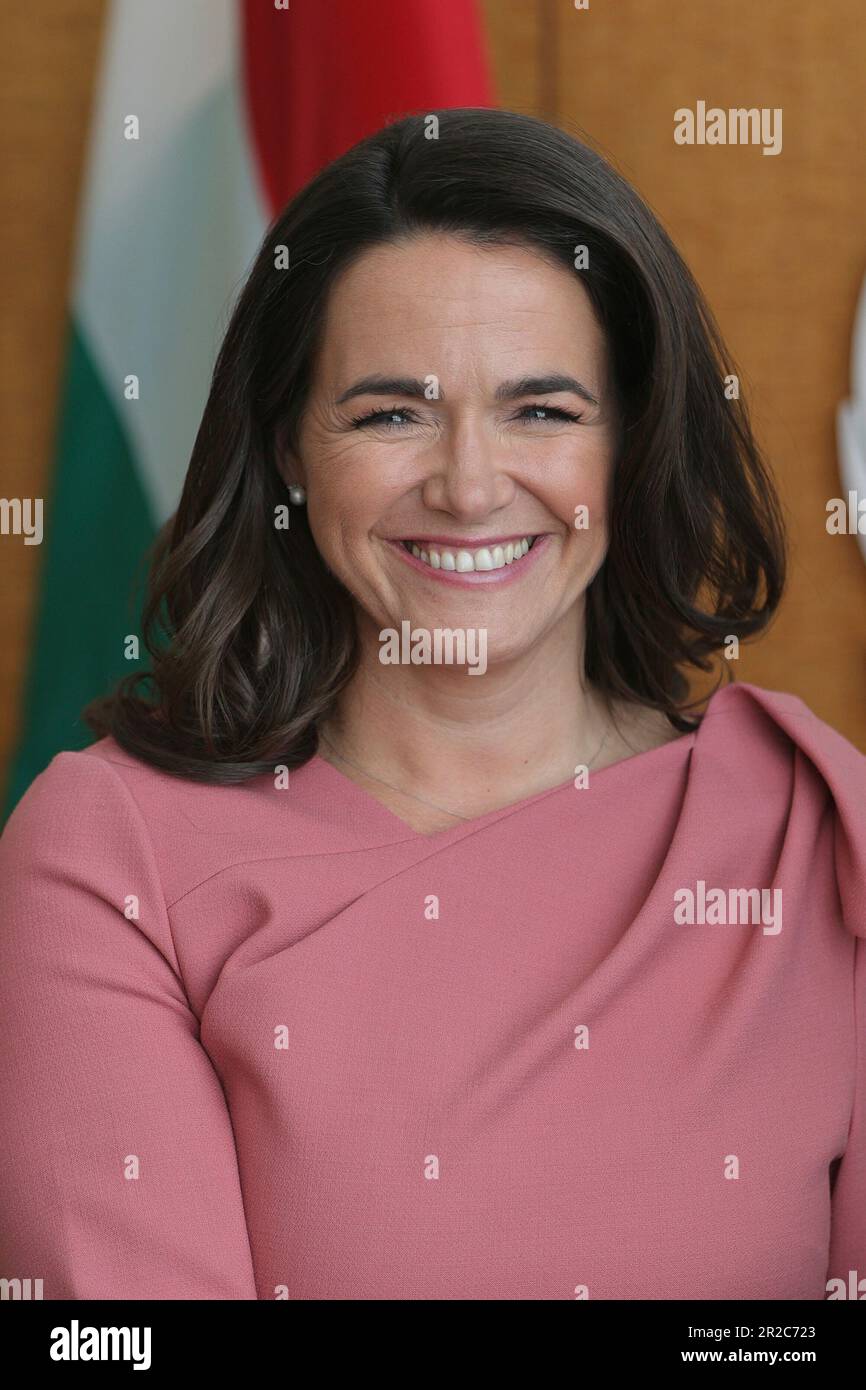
[(540, 414), (530, 414), (382, 417)]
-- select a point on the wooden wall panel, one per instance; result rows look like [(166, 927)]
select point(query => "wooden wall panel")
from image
[(778, 244), (48, 60)]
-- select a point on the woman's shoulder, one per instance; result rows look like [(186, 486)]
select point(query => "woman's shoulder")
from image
[(84, 790), (741, 716), (79, 820), (773, 721), (104, 810), (73, 853), (75, 793), (98, 780), (100, 810), (766, 753)]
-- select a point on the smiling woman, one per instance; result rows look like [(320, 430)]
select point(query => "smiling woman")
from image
[(436, 368), (339, 961), (457, 499)]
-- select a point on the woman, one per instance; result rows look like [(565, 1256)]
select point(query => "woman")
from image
[(409, 934)]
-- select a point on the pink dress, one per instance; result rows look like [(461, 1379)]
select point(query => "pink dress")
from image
[(609, 1042)]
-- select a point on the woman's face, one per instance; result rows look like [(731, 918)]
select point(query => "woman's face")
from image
[(473, 457)]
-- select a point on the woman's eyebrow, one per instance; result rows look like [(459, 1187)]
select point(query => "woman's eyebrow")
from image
[(542, 386), (387, 386), (507, 390)]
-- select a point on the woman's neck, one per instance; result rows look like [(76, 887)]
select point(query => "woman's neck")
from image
[(439, 736)]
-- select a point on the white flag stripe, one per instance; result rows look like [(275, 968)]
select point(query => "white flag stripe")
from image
[(171, 221)]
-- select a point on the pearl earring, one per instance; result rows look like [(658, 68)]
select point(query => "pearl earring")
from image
[(297, 495)]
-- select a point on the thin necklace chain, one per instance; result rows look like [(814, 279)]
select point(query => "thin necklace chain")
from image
[(432, 804)]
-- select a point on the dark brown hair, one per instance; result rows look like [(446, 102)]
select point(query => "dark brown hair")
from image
[(250, 635)]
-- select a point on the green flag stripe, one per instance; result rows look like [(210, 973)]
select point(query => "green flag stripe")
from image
[(93, 572)]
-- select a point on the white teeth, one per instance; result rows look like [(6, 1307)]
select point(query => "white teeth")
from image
[(466, 561)]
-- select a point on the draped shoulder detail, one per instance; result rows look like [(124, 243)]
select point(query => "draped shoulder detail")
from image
[(779, 737)]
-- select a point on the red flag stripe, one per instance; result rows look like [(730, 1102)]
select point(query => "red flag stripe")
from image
[(324, 73)]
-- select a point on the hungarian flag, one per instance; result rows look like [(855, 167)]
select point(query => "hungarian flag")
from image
[(209, 115)]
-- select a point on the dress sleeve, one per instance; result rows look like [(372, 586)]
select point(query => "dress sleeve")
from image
[(119, 1172), (848, 1222)]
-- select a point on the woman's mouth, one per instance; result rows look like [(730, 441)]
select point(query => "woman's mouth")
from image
[(496, 563), (485, 558)]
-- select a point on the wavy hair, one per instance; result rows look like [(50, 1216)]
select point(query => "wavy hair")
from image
[(252, 638)]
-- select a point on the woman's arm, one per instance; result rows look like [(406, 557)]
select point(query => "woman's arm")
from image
[(119, 1173), (848, 1231)]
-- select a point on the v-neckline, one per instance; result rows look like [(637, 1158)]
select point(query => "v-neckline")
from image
[(376, 807)]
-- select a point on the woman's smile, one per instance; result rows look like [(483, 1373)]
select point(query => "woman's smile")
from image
[(499, 561)]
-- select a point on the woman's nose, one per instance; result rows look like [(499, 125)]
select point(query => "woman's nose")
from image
[(466, 476)]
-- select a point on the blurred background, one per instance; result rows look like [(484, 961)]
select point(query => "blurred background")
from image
[(147, 143)]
